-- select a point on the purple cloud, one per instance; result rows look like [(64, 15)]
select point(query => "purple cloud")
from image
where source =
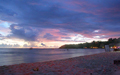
[(74, 16), (49, 36), (23, 33)]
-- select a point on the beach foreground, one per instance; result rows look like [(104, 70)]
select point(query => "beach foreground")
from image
[(97, 64)]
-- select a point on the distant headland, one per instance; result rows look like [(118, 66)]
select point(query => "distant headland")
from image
[(112, 42)]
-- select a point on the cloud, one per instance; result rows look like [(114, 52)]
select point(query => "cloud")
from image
[(5, 46), (49, 36), (9, 45), (75, 16), (2, 37), (27, 34), (66, 37), (16, 45), (31, 44), (25, 45), (43, 44)]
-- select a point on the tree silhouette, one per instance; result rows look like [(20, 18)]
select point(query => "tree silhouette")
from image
[(94, 44)]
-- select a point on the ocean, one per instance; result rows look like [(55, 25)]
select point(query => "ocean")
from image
[(10, 56)]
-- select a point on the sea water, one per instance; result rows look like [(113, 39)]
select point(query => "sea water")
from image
[(10, 56)]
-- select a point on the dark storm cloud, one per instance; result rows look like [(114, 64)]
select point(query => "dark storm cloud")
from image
[(74, 15)]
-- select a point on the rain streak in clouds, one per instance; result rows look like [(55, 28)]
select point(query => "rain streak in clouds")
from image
[(58, 21)]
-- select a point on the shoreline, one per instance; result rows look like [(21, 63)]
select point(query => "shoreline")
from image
[(95, 64)]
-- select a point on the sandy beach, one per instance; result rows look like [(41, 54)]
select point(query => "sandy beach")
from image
[(96, 64)]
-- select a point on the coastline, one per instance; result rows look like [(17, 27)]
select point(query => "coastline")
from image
[(96, 64)]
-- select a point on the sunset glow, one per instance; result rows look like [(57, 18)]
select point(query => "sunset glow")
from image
[(50, 24)]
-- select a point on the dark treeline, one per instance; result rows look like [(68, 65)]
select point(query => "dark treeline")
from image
[(112, 42)]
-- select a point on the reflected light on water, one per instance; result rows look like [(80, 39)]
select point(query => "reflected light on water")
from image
[(17, 56)]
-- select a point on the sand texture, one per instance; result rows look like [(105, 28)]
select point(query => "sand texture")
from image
[(97, 64)]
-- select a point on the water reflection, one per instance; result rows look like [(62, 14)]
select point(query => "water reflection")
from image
[(17, 56)]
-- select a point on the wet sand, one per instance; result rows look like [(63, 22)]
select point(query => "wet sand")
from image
[(96, 64)]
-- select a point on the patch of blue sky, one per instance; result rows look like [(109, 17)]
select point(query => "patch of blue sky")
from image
[(5, 24), (4, 33)]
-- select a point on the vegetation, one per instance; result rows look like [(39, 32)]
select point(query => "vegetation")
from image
[(112, 42)]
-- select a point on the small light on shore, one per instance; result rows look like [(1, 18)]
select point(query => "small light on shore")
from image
[(95, 47)]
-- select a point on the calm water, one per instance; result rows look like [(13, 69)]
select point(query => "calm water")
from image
[(16, 56)]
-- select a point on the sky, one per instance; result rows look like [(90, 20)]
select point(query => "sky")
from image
[(52, 23)]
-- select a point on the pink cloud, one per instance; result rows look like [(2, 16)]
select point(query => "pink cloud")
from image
[(87, 7), (4, 30), (82, 3), (53, 32)]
